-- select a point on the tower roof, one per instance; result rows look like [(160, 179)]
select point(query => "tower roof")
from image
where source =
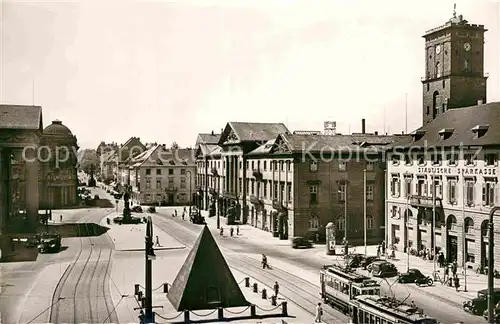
[(57, 128), (205, 280)]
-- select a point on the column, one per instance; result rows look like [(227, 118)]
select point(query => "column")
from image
[(226, 180), (237, 176), (244, 189), (31, 165)]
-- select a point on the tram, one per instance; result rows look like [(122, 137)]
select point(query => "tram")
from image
[(339, 285), (384, 310)]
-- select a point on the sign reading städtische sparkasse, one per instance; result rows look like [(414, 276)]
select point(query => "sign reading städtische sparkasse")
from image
[(458, 171)]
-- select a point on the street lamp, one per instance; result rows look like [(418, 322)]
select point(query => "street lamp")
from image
[(49, 179), (346, 246), (218, 202), (190, 198)]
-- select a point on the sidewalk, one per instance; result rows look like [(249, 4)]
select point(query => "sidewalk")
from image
[(130, 237)]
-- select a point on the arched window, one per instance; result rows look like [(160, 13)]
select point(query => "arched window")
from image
[(439, 70), (369, 222), (340, 223), (313, 223), (484, 228), (434, 103), (468, 225), (451, 222)]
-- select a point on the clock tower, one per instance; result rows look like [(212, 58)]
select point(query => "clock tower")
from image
[(454, 63)]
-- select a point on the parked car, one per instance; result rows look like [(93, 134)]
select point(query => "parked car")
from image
[(415, 276), (151, 209), (32, 242), (49, 243), (136, 209), (478, 305), (300, 242), (384, 269)]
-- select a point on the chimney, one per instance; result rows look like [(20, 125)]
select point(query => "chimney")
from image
[(213, 133), (363, 126), (376, 133), (479, 102)]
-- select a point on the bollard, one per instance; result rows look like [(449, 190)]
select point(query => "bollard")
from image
[(165, 288), (136, 289), (252, 310), (247, 282), (139, 295), (186, 317), (264, 294), (255, 288), (220, 313), (273, 300), (284, 309)]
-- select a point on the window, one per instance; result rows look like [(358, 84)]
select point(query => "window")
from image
[(258, 165), (253, 165), (439, 70), (468, 225), (395, 186), (171, 183), (469, 159), (444, 85), (281, 165), (158, 171), (275, 191), (452, 191), (408, 159), (313, 166), (240, 164), (240, 185), (407, 188), (288, 166), (436, 158), (170, 171), (369, 166), (248, 186), (369, 222), (252, 187), (342, 191), (369, 191), (452, 158), (183, 182), (438, 190), (148, 171), (428, 107), (264, 186), (488, 194), (469, 186), (313, 191), (313, 223), (342, 165), (282, 191), (490, 159), (148, 183), (265, 165), (341, 223), (183, 171), (394, 212), (421, 187), (158, 184), (289, 194)]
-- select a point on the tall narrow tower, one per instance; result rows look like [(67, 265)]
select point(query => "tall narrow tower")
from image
[(454, 63)]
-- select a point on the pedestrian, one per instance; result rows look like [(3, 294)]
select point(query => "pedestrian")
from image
[(378, 252), (231, 231), (264, 262), (317, 237), (412, 304), (221, 231), (456, 281), (440, 260), (276, 289), (383, 247), (319, 313), (60, 218), (157, 241), (237, 230), (446, 272), (454, 268)]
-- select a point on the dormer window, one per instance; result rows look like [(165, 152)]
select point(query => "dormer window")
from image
[(395, 158), (490, 159), (408, 159), (421, 159), (418, 134), (445, 133), (480, 130)]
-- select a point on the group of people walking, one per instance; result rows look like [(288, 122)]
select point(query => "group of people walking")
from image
[(231, 231)]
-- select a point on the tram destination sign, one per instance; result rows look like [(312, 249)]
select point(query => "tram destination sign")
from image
[(458, 171)]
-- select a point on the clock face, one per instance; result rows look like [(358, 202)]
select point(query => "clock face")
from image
[(467, 47), (438, 49)]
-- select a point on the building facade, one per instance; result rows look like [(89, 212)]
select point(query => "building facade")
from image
[(120, 162), (443, 184), (454, 61), (163, 176), (300, 183), (205, 144)]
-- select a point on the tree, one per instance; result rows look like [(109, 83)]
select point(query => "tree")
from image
[(174, 146)]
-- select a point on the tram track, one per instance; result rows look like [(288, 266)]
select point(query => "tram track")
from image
[(73, 298), (296, 290)]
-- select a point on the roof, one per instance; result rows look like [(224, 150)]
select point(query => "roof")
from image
[(205, 149), (462, 121), (217, 152), (21, 117), (198, 286), (248, 132), (287, 143), (264, 148), (57, 128), (210, 138), (159, 155)]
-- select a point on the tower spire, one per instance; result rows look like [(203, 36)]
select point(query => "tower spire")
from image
[(455, 10)]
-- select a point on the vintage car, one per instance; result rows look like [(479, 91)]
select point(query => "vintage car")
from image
[(300, 242), (49, 243), (478, 305), (383, 269), (369, 260), (136, 209), (195, 217), (411, 276)]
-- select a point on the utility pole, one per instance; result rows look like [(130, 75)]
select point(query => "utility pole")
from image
[(149, 315)]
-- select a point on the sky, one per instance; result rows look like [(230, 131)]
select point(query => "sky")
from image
[(167, 70)]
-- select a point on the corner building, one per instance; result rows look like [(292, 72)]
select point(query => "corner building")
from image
[(452, 164)]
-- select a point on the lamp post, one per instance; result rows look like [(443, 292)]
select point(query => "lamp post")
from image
[(464, 243), (218, 202), (491, 255), (190, 197), (345, 217), (406, 219), (49, 179), (150, 255)]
